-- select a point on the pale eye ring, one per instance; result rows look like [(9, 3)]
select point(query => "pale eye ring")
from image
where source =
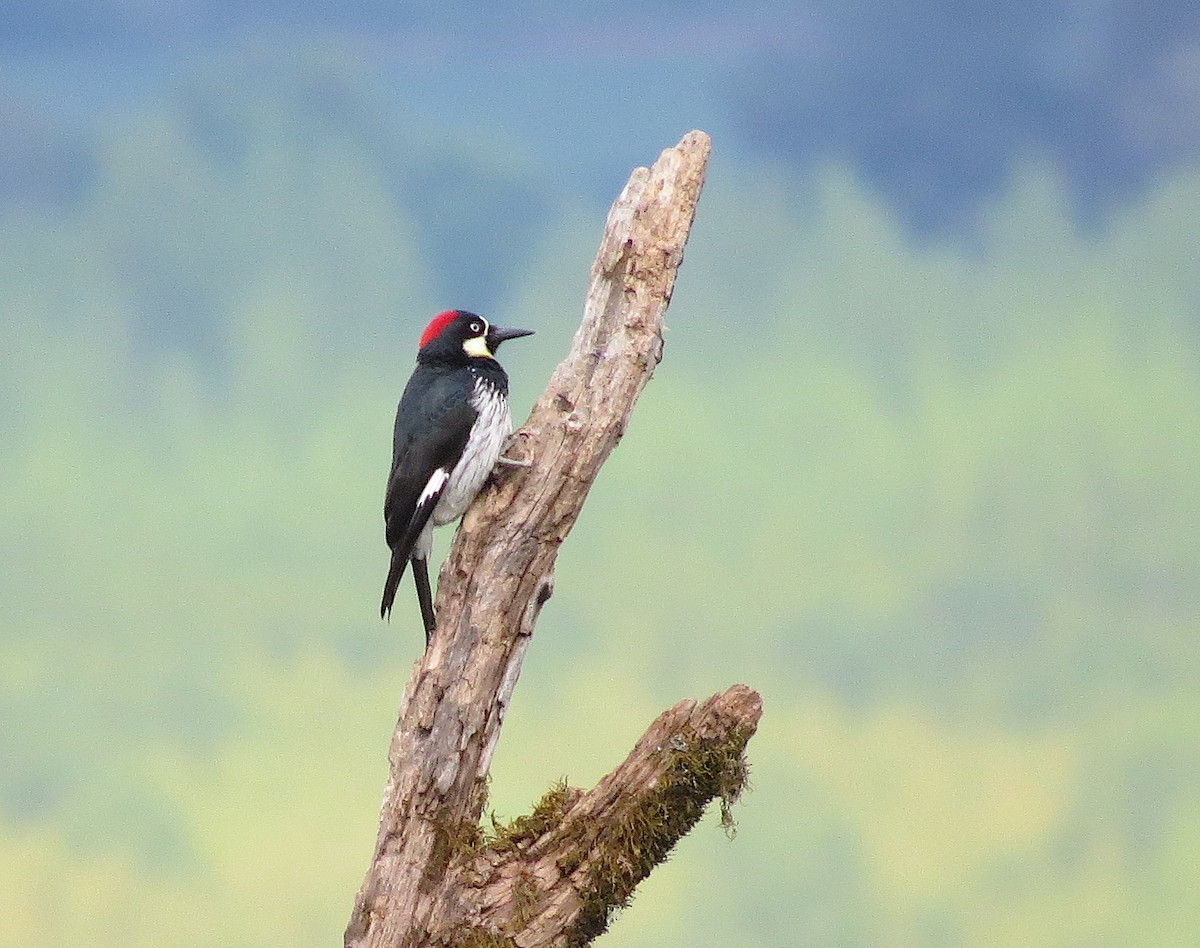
[(475, 327)]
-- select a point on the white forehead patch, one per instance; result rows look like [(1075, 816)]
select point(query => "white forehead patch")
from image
[(477, 346)]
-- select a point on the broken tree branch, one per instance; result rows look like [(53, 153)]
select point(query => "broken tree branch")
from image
[(555, 876), (432, 880)]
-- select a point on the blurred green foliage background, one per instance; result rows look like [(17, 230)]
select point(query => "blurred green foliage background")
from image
[(939, 501)]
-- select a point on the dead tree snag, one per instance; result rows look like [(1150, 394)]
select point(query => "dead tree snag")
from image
[(551, 878)]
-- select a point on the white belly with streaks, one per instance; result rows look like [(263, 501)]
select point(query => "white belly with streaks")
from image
[(488, 434)]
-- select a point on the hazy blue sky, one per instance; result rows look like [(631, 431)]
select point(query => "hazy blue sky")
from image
[(932, 101)]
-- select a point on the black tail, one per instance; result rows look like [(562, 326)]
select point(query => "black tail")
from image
[(424, 596), (395, 572)]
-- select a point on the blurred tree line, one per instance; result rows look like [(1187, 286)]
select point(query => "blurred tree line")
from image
[(938, 502)]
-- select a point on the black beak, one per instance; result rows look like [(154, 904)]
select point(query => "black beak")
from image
[(498, 335)]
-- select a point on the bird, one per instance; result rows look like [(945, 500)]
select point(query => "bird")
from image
[(451, 426)]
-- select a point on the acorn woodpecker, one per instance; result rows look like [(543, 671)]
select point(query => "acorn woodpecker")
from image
[(451, 426)]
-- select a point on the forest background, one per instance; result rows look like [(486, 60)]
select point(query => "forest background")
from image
[(922, 461)]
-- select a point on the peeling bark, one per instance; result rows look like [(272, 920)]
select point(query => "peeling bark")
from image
[(433, 879)]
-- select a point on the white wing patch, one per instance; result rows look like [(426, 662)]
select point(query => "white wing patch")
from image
[(484, 444), (434, 486)]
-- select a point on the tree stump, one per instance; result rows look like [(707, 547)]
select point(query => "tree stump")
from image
[(551, 878)]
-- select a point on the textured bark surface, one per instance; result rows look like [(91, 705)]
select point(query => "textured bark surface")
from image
[(433, 879), (554, 877)]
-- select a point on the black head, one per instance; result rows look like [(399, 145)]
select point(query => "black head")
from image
[(459, 336)]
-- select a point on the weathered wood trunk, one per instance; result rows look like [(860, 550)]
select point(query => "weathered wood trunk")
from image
[(552, 878)]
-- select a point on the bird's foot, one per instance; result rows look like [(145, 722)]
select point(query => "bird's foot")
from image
[(516, 444)]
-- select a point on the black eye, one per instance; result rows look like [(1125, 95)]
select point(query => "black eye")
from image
[(475, 327)]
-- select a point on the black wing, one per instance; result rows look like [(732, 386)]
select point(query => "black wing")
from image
[(433, 424)]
